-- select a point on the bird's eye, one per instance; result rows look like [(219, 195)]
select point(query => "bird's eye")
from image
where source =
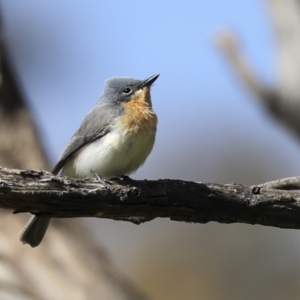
[(127, 90)]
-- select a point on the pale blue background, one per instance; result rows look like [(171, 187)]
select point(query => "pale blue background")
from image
[(210, 127), (63, 52)]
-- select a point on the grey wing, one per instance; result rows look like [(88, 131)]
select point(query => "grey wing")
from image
[(94, 126)]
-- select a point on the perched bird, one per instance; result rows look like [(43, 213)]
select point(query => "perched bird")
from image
[(114, 140)]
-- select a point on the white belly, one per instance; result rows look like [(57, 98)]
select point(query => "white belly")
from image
[(117, 153)]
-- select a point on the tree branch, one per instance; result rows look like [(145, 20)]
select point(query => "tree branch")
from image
[(40, 192)]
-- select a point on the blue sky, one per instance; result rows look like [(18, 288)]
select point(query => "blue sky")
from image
[(63, 53)]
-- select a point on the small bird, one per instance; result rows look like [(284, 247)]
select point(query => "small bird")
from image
[(114, 140)]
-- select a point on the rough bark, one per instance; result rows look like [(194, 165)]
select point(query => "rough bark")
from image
[(273, 204)]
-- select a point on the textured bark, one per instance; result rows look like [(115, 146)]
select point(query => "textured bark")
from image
[(273, 204)]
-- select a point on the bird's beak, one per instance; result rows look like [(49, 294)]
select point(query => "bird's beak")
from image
[(148, 82)]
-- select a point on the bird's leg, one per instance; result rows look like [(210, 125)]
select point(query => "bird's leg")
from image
[(99, 178)]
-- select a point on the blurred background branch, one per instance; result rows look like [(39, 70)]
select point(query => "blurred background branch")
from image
[(283, 99)]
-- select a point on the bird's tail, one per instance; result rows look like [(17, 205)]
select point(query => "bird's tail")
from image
[(34, 231)]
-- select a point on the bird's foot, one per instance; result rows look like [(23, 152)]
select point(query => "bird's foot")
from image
[(100, 179)]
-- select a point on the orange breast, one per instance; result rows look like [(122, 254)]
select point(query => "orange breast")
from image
[(138, 115)]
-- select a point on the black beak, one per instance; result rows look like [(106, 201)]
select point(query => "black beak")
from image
[(148, 82)]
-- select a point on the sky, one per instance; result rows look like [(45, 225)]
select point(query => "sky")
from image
[(211, 128), (64, 52)]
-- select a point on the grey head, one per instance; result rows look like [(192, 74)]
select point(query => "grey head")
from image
[(120, 89)]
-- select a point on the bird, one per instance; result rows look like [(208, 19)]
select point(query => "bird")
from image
[(113, 140)]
